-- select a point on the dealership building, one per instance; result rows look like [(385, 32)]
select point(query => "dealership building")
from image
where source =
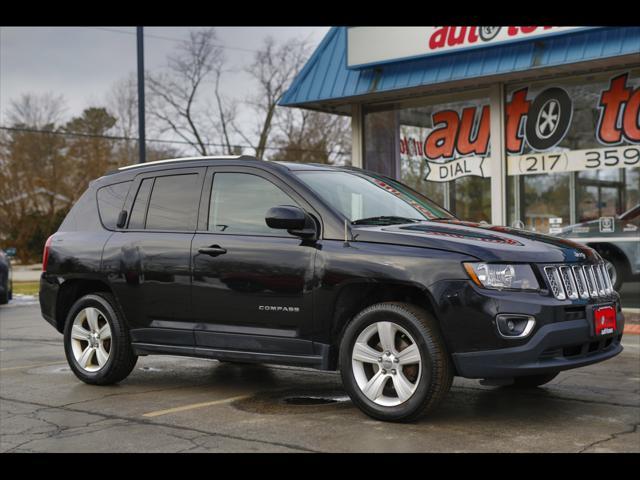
[(532, 127)]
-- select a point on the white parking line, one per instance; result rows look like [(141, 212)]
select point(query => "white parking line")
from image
[(194, 406)]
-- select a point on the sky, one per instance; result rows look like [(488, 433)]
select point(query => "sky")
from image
[(82, 63)]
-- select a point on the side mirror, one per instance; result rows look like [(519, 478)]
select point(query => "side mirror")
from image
[(10, 252), (122, 219), (292, 219)]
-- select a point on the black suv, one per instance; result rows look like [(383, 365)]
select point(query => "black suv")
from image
[(324, 267)]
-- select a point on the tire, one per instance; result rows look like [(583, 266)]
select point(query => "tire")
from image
[(542, 139), (428, 381), (5, 296), (532, 381), (120, 356)]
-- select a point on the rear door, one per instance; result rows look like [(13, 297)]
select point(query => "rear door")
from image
[(252, 285), (148, 262)]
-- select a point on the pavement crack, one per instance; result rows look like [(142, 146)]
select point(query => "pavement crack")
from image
[(139, 421), (610, 437)]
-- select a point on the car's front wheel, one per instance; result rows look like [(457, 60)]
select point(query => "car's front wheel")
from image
[(393, 362), (96, 341)]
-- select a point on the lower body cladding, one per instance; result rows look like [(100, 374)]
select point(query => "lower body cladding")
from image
[(230, 343)]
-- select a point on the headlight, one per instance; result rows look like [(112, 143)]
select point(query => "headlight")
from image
[(502, 275)]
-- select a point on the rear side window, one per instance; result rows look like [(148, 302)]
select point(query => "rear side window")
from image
[(110, 202), (174, 203)]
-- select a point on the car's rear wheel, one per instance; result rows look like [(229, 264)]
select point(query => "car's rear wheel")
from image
[(96, 341), (393, 362), (532, 381)]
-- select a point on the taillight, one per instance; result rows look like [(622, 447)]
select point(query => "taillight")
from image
[(45, 253)]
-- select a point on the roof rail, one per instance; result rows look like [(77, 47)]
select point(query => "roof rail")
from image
[(169, 160)]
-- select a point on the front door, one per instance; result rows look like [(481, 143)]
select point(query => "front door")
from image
[(252, 285)]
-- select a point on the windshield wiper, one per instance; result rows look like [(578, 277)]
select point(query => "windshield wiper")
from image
[(385, 220)]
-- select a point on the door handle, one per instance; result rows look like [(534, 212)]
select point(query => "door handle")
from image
[(213, 250)]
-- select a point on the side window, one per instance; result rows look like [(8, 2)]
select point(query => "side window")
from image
[(239, 203), (174, 203), (140, 204), (110, 201)]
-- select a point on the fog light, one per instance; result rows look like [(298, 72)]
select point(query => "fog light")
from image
[(514, 325)]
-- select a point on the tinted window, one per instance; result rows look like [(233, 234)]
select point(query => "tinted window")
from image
[(140, 204), (110, 201), (84, 214), (239, 203), (174, 203)]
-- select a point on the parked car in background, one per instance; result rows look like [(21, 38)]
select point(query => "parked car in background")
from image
[(333, 268), (616, 239), (6, 275)]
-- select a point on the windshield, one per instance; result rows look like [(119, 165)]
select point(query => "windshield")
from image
[(371, 200)]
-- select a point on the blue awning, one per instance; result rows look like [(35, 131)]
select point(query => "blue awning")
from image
[(326, 78)]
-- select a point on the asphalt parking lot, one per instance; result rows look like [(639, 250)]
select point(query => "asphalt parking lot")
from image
[(173, 404)]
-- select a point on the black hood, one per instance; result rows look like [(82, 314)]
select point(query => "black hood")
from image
[(485, 242)]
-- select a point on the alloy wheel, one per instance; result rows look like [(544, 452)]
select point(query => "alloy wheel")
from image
[(386, 363), (91, 339)]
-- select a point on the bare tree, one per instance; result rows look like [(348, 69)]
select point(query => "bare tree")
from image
[(227, 112), (173, 94), (273, 68), (312, 137), (122, 103), (37, 111)]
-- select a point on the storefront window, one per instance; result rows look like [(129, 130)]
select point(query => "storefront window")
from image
[(573, 153), (439, 149)]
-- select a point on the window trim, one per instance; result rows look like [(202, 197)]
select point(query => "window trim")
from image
[(199, 171), (207, 191), (124, 202)]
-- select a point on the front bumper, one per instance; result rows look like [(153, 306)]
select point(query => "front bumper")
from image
[(554, 347)]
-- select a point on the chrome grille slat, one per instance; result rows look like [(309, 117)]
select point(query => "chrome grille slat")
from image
[(581, 282), (600, 280), (578, 281), (553, 277), (591, 280), (608, 287), (568, 282)]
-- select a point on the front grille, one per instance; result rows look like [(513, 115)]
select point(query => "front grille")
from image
[(578, 281)]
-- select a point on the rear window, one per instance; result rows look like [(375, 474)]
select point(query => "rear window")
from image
[(110, 202)]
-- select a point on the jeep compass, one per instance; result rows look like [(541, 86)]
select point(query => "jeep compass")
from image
[(332, 268)]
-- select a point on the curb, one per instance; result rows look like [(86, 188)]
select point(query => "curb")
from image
[(633, 329)]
